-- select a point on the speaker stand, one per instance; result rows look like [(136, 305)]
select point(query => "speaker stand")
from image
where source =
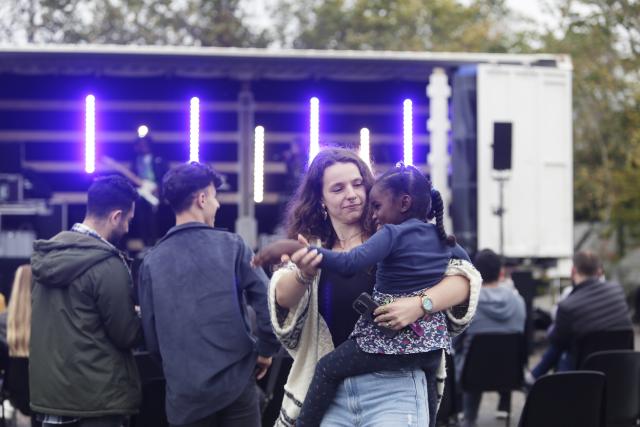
[(499, 212)]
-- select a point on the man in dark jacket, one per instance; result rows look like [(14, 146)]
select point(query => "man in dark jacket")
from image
[(81, 367), (193, 287), (593, 305)]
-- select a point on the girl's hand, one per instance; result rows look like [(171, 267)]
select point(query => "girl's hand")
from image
[(400, 313)]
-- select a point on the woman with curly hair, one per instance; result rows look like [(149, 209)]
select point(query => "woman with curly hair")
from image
[(311, 309)]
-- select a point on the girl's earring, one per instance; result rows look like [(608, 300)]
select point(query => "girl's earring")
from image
[(324, 211)]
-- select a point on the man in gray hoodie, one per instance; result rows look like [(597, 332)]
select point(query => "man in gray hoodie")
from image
[(500, 310), (81, 367)]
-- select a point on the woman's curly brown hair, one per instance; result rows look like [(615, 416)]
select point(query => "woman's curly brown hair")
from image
[(304, 211)]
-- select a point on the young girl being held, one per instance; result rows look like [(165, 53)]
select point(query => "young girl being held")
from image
[(411, 255)]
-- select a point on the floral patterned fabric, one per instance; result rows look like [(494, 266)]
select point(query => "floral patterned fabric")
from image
[(435, 335)]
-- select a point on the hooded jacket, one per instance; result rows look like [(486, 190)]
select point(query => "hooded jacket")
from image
[(500, 310), (83, 329)]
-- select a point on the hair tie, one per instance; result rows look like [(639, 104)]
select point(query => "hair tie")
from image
[(402, 167)]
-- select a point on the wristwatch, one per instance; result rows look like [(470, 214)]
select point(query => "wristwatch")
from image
[(427, 304)]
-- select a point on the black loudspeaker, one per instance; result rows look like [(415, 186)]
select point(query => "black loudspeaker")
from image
[(502, 145)]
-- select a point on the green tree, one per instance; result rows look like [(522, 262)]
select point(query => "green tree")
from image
[(408, 25), (603, 39)]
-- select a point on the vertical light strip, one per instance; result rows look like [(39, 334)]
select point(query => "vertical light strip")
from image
[(90, 134), (194, 130), (365, 153), (407, 128), (258, 164), (314, 128)]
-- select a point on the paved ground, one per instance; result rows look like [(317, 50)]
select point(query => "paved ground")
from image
[(487, 418), (487, 414)]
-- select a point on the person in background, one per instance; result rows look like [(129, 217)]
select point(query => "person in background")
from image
[(19, 313), (194, 288), (16, 381), (3, 330), (592, 305), (500, 310), (152, 220), (81, 367)]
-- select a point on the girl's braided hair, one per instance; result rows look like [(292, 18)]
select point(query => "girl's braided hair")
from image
[(426, 202), (437, 212)]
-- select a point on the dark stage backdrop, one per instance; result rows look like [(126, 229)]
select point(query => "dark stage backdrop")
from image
[(42, 127)]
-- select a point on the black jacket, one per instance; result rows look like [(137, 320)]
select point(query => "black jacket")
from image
[(83, 328), (592, 306)]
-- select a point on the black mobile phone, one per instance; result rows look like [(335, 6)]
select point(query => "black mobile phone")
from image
[(365, 305)]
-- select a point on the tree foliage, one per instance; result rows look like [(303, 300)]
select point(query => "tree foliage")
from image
[(143, 22), (603, 38), (408, 25)]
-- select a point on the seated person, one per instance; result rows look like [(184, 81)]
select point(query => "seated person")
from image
[(500, 309), (593, 305)]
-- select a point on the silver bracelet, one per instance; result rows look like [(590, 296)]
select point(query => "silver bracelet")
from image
[(302, 279)]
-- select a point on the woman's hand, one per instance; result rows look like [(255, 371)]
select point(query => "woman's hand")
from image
[(400, 313), (451, 290), (293, 284)]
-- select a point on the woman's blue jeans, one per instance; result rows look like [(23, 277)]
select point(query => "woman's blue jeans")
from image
[(380, 399)]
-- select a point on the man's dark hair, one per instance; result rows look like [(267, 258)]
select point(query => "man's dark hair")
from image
[(109, 193), (587, 263), (181, 184), (488, 264)]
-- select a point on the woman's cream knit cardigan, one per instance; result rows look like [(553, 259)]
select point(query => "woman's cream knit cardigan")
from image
[(305, 335)]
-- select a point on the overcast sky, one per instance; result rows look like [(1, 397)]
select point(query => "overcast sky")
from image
[(530, 8), (258, 10)]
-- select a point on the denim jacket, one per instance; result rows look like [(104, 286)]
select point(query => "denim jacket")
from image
[(194, 288)]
